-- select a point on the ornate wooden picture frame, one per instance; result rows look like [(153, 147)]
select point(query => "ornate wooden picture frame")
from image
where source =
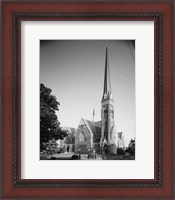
[(13, 13)]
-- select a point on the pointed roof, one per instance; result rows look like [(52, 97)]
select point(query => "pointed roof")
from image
[(107, 91), (120, 134), (88, 124), (93, 127)]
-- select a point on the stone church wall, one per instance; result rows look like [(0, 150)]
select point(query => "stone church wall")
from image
[(82, 143)]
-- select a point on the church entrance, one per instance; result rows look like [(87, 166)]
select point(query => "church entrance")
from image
[(83, 148)]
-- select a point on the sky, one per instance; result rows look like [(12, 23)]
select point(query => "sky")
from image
[(74, 70)]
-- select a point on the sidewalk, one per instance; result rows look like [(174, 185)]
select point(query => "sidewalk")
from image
[(67, 155), (85, 157)]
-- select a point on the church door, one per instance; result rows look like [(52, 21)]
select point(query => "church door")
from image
[(83, 148)]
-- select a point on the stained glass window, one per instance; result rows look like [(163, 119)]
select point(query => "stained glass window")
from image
[(82, 137)]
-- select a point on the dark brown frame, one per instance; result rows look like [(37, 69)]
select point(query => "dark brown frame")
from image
[(162, 185)]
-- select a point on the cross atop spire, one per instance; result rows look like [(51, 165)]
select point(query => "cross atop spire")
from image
[(107, 91)]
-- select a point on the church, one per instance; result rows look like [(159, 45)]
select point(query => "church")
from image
[(102, 135)]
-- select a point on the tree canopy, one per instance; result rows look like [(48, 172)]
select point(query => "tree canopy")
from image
[(49, 125)]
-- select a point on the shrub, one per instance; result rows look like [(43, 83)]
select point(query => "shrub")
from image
[(120, 151), (131, 151)]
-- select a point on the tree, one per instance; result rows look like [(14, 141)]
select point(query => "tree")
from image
[(49, 125), (131, 147)]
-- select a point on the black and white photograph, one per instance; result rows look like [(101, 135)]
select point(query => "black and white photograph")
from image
[(87, 100)]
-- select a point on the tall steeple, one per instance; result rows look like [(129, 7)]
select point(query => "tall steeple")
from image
[(107, 91), (93, 118), (108, 131)]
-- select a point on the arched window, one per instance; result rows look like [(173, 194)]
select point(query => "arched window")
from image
[(82, 137)]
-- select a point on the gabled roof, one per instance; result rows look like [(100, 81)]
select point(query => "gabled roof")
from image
[(93, 127), (98, 124), (85, 122), (70, 130)]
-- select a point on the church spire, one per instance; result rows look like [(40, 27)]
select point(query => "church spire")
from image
[(93, 116), (108, 133), (107, 91)]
